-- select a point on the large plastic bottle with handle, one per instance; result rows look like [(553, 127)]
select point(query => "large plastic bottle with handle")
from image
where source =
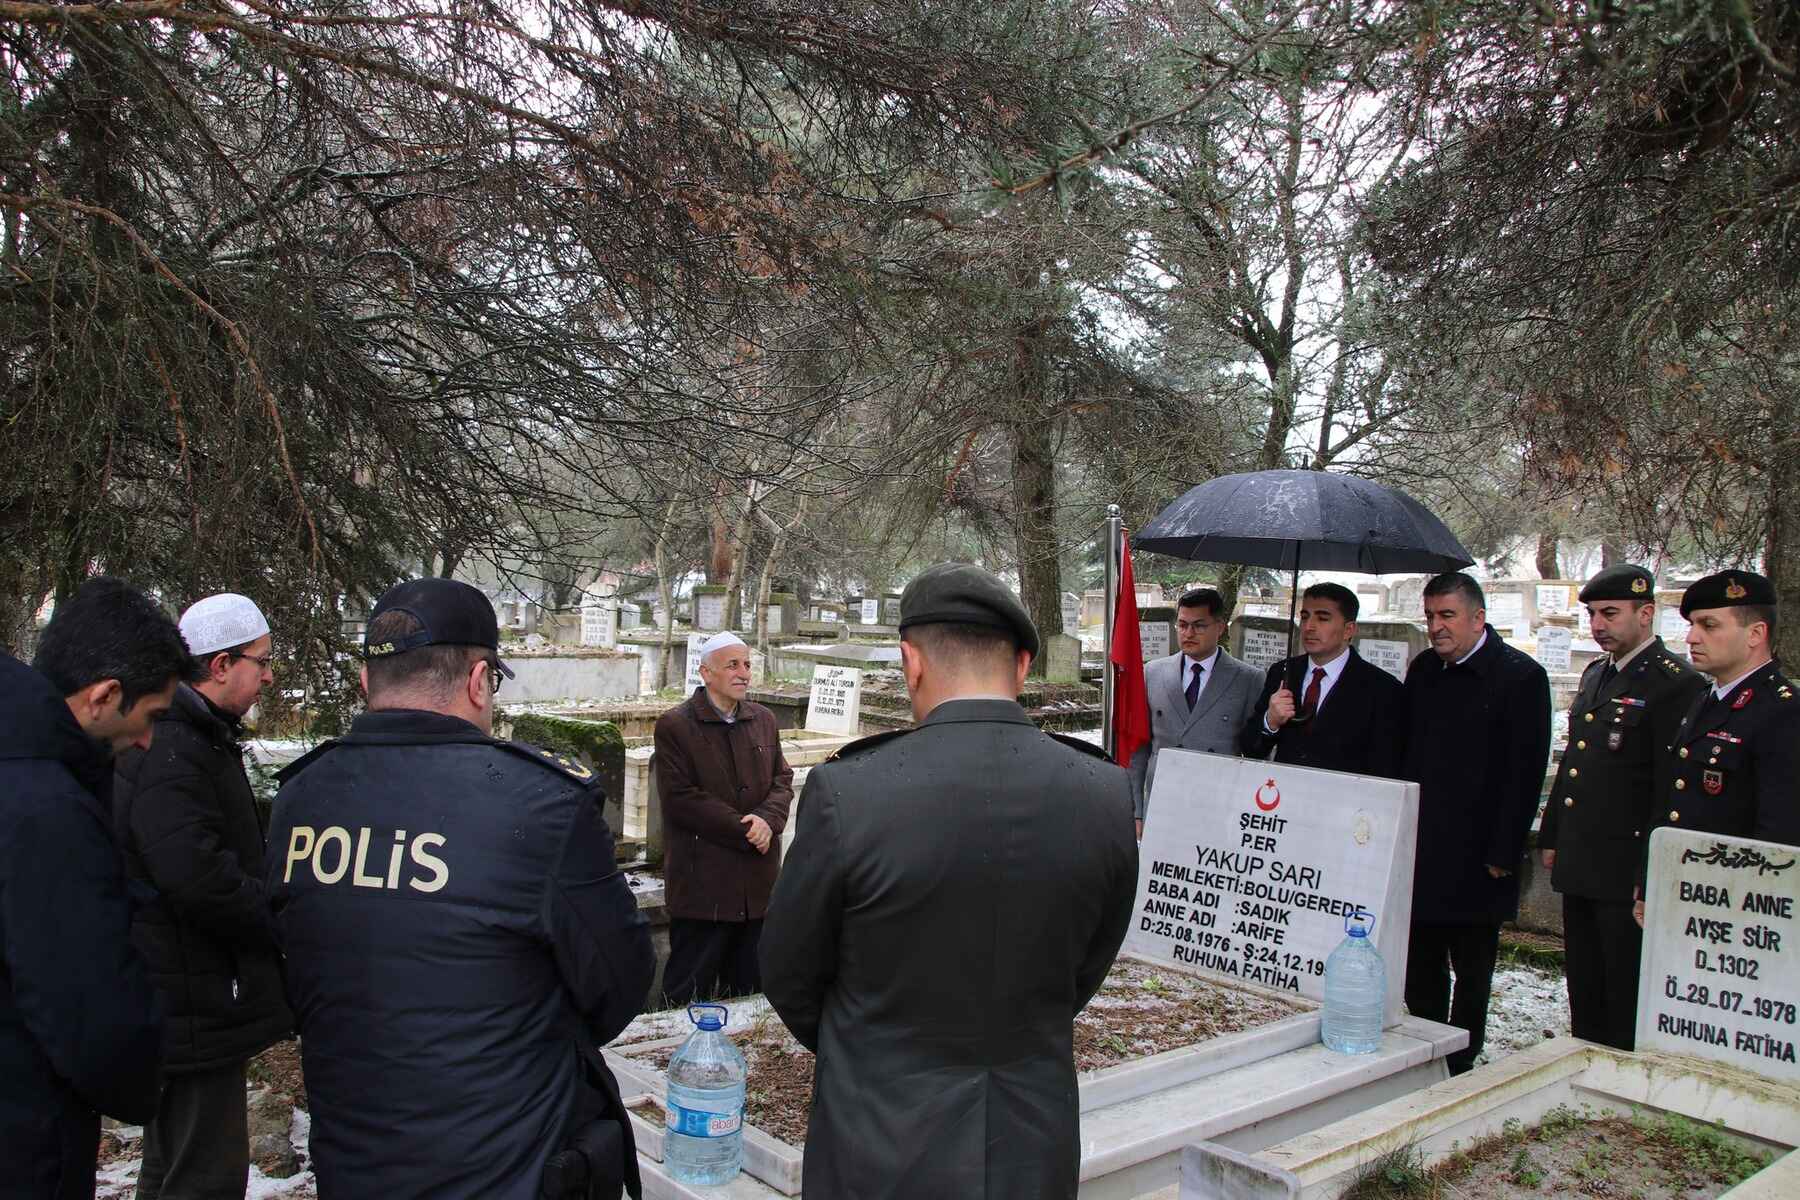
[(1355, 990), (703, 1141)]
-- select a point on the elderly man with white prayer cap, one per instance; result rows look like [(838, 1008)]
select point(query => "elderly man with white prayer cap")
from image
[(188, 823), (725, 790)]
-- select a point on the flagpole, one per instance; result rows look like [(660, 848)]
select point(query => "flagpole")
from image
[(1115, 537)]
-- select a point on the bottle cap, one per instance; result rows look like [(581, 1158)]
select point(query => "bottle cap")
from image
[(709, 1017)]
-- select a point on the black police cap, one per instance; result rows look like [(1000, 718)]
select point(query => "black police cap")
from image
[(1728, 589), (449, 612), (1623, 581), (964, 594)]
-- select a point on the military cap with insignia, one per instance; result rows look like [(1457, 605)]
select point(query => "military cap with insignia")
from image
[(1728, 589), (964, 594), (1623, 581)]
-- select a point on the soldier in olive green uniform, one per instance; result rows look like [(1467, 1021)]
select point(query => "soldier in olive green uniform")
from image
[(1598, 816), (1733, 766)]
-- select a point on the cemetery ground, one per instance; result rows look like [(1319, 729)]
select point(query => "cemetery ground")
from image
[(1573, 1152), (1139, 1011)]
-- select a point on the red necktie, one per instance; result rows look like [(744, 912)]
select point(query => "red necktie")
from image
[(1309, 703)]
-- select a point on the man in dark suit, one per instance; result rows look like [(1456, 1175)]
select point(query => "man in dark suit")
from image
[(954, 896), (1200, 697), (1363, 727), (1734, 763), (1592, 837), (1477, 743)]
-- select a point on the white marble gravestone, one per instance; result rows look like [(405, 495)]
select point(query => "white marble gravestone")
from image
[(835, 705), (1553, 600), (709, 610), (1071, 614), (1156, 639), (695, 641), (1391, 656), (1248, 869), (1263, 648), (1673, 628), (773, 618), (871, 611), (1506, 612), (600, 624), (1720, 974), (1554, 647)]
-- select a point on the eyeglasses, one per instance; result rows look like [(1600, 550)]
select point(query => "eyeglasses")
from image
[(495, 679), (262, 661)]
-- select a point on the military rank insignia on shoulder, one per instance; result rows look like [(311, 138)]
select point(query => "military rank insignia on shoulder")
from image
[(1671, 664), (574, 768), (1081, 744), (862, 744)]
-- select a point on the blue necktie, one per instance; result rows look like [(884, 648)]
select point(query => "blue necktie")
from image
[(1193, 687)]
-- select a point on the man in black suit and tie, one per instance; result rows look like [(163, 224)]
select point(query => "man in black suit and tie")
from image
[(1351, 714)]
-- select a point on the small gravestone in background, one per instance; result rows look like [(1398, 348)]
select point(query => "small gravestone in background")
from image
[(835, 704), (1071, 613), (783, 614), (1554, 646), (600, 624), (630, 616), (1062, 659), (1247, 869), (694, 642), (1720, 973), (1554, 600), (890, 608), (869, 610), (1671, 626), (709, 608), (1260, 641), (1506, 612), (1156, 632), (1407, 597), (1390, 645)]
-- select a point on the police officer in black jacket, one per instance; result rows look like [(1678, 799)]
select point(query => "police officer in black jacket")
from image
[(459, 939), (1733, 766), (1598, 815)]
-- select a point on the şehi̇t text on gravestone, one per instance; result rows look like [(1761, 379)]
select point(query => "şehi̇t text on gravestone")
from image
[(1721, 970), (1248, 869)]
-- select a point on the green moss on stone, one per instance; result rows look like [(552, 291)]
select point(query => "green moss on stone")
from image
[(591, 741)]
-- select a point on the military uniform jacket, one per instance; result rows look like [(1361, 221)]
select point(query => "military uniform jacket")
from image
[(459, 941), (1734, 764), (1598, 814), (954, 896)]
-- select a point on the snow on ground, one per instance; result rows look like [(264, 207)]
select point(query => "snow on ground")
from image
[(1527, 1006), (118, 1180)]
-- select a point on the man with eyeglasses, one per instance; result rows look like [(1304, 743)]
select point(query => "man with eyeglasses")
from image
[(459, 939), (1200, 697), (187, 820)]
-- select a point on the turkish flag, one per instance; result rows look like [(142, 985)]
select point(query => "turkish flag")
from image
[(1131, 702)]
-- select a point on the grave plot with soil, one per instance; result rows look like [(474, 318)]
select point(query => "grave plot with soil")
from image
[(1140, 1010), (1574, 1153)]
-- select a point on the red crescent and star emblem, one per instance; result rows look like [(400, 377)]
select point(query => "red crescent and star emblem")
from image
[(1274, 796)]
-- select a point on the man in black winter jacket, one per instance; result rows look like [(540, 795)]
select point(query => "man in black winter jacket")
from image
[(79, 1028), (1478, 742), (187, 820)]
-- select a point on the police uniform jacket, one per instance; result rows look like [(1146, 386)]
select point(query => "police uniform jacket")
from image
[(954, 896), (1733, 766), (710, 775), (1598, 813), (80, 1033), (459, 942), (1360, 726), (188, 822), (1477, 744)]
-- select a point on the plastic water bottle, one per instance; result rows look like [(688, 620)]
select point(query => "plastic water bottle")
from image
[(1355, 990), (704, 1138)]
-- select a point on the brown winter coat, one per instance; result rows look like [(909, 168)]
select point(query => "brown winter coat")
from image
[(710, 774)]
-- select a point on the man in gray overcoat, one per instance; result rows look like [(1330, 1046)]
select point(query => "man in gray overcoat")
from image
[(954, 896), (1200, 697)]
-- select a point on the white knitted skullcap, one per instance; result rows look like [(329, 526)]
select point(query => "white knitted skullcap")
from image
[(720, 641), (221, 622)]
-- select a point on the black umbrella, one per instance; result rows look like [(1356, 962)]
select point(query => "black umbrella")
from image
[(1287, 519)]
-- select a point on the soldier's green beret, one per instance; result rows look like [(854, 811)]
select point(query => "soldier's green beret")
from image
[(1622, 581), (1728, 589), (964, 594)]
